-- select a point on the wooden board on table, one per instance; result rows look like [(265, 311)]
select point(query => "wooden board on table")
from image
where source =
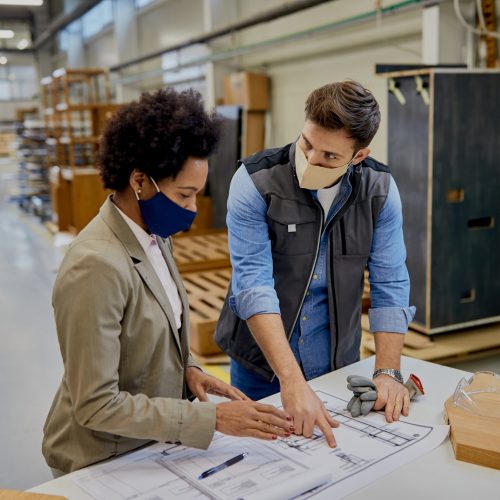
[(476, 438), (206, 292), (22, 495), (201, 252)]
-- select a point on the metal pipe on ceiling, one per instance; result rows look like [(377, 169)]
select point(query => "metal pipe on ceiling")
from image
[(399, 8), (62, 21), (270, 15)]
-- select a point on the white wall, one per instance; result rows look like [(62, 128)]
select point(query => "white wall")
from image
[(299, 67), (101, 51), (296, 67)]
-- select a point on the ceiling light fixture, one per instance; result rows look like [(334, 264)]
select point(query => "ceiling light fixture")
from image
[(22, 44), (6, 34), (26, 3), (3, 60)]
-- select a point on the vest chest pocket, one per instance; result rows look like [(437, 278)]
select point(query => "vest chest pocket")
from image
[(293, 227)]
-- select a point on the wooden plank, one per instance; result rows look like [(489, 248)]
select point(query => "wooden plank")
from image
[(447, 348), (23, 495), (206, 292), (214, 359), (476, 438), (365, 299), (201, 252)]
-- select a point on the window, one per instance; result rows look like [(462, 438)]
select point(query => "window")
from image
[(18, 82), (5, 92), (96, 19), (73, 30), (142, 3)]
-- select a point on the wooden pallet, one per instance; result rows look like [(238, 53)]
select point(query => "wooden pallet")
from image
[(207, 292), (201, 252), (365, 300), (447, 348)]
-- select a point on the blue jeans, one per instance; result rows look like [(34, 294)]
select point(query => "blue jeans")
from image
[(253, 385)]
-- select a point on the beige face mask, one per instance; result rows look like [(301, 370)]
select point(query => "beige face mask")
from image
[(313, 176)]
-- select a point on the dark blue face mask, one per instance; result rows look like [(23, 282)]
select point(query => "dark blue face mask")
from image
[(164, 217)]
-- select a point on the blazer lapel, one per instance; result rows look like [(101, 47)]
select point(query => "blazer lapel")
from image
[(141, 263), (150, 278)]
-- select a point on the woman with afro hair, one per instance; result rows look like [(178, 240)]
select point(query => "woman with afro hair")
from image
[(121, 310)]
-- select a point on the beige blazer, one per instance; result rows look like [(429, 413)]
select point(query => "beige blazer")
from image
[(124, 361)]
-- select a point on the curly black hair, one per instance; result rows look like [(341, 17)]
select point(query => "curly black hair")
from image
[(156, 134)]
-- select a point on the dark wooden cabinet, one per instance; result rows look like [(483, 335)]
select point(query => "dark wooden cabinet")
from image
[(444, 156)]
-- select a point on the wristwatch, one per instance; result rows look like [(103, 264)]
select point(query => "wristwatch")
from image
[(395, 374)]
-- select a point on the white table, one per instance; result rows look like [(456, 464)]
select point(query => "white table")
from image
[(436, 475)]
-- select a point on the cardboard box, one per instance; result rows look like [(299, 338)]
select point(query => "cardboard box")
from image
[(253, 132), (250, 90)]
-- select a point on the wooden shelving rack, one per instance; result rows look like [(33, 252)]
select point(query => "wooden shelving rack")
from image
[(77, 104)]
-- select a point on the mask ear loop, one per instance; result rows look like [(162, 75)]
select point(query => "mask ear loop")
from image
[(139, 191), (156, 185)]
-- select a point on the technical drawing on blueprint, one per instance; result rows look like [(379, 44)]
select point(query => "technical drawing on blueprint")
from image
[(367, 449)]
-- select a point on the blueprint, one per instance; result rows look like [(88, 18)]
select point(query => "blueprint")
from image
[(367, 449)]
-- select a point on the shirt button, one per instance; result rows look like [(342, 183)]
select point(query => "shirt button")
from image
[(301, 341), (315, 277), (308, 293), (304, 318)]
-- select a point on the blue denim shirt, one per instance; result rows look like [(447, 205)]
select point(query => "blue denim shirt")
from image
[(253, 284)]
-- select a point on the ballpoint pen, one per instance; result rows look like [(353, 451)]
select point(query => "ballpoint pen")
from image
[(223, 465)]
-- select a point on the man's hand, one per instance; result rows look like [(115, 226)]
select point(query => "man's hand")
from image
[(393, 395), (202, 384), (307, 410)]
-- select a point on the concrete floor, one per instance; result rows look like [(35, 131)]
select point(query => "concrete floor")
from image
[(30, 363)]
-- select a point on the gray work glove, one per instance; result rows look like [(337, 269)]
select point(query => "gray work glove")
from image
[(365, 393)]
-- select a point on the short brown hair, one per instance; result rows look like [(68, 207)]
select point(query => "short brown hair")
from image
[(345, 105)]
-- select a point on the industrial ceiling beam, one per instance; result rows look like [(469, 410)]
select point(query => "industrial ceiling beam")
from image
[(270, 15)]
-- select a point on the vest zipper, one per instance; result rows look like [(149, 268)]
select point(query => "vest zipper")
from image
[(339, 215), (318, 242)]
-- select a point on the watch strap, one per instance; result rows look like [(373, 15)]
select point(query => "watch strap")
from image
[(395, 374)]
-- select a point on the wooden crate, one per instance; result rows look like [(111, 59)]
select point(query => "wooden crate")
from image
[(201, 252), (207, 292), (203, 220), (451, 210)]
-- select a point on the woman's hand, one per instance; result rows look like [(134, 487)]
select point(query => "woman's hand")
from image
[(251, 419), (201, 384)]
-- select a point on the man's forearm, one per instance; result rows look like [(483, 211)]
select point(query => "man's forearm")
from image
[(269, 334), (388, 347)]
